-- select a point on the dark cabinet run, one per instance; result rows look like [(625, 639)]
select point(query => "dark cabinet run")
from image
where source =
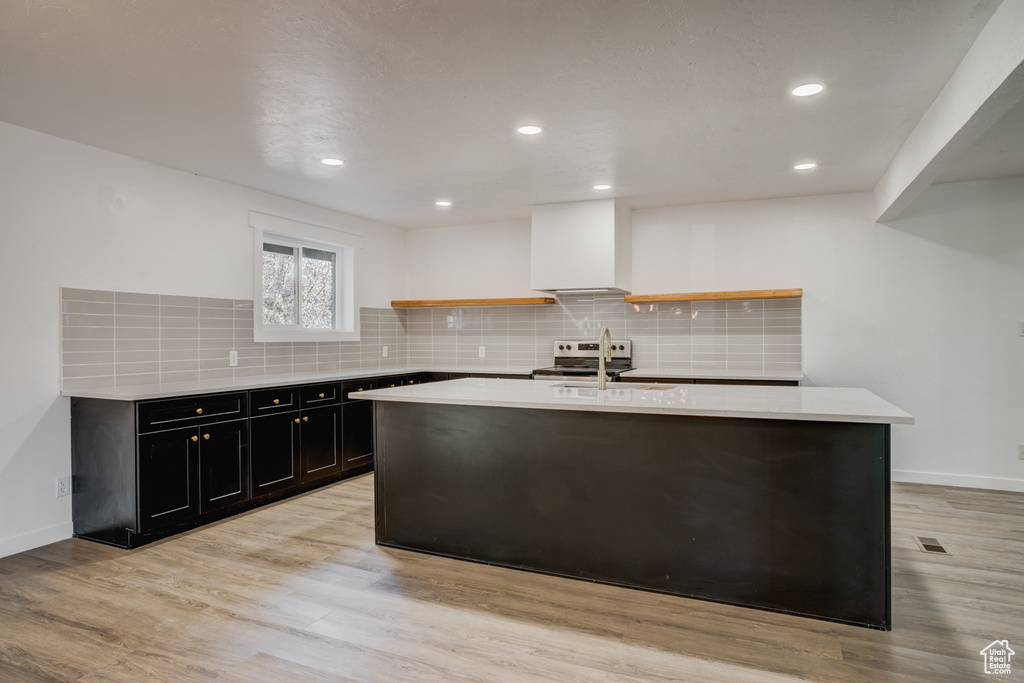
[(143, 470), (296, 437), (737, 382)]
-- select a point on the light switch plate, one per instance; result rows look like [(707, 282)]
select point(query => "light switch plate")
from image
[(385, 351), (482, 351), (1020, 329), (1020, 451)]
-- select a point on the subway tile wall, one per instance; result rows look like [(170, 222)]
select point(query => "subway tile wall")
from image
[(117, 339), (754, 335)]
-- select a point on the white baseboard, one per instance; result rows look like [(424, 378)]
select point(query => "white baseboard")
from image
[(964, 480), (35, 539)]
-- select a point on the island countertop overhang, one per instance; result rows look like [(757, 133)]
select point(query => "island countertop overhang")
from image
[(829, 404)]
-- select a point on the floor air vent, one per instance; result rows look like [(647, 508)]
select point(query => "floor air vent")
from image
[(930, 545)]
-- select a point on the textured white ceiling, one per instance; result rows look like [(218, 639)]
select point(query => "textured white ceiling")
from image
[(671, 101)]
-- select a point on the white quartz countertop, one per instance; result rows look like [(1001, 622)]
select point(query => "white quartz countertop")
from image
[(150, 391), (829, 404), (653, 373)]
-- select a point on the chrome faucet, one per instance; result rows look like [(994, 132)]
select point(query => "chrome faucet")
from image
[(604, 344)]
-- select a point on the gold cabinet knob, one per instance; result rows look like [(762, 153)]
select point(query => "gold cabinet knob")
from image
[(305, 419), (276, 401), (359, 389), (199, 411), (321, 395), (195, 438), (296, 420), (206, 436)]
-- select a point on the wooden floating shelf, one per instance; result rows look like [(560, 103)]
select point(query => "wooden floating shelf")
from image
[(455, 303), (717, 296)]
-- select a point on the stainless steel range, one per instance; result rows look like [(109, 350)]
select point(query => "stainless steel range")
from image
[(580, 359)]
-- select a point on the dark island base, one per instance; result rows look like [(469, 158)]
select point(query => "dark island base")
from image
[(784, 515)]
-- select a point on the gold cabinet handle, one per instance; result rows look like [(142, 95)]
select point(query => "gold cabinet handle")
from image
[(321, 395), (276, 401), (199, 411), (296, 420), (359, 389), (305, 419), (195, 438), (206, 436)]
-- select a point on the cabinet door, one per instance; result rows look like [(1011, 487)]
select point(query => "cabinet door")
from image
[(357, 445), (223, 465), (274, 453), (168, 477), (321, 443)]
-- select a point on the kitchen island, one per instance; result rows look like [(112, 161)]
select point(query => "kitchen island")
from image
[(767, 497)]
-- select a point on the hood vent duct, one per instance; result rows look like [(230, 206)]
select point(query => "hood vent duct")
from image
[(581, 247)]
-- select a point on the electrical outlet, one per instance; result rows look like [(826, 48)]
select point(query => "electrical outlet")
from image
[(1020, 329), (233, 358), (1020, 451), (385, 350), (482, 352), (63, 486)]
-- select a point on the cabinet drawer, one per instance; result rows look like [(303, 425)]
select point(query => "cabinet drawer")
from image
[(390, 381), (265, 401), (176, 412), (320, 394), (355, 385), (423, 377)]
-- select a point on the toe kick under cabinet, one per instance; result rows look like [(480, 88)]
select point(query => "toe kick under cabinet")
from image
[(143, 470)]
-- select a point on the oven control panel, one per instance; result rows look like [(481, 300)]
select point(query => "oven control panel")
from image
[(578, 348)]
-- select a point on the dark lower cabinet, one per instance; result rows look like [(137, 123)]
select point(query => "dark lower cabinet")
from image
[(320, 438), (357, 444), (168, 477), (223, 465), (190, 471), (274, 453)]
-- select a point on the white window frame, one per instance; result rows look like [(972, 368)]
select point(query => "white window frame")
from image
[(291, 233)]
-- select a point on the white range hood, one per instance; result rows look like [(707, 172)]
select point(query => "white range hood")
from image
[(581, 247)]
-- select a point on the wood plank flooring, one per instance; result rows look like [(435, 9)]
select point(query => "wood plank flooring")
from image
[(298, 591)]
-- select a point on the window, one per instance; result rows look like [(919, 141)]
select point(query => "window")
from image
[(303, 287), (303, 297)]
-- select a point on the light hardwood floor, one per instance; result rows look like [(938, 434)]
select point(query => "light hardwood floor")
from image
[(299, 592)]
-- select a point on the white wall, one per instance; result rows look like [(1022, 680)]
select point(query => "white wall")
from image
[(76, 216), (470, 262), (922, 312)]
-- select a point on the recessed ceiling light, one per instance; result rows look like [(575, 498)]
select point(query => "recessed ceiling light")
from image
[(808, 89), (529, 130), (807, 166), (442, 202), (331, 162), (602, 186)]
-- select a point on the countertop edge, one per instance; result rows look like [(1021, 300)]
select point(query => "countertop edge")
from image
[(894, 415)]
